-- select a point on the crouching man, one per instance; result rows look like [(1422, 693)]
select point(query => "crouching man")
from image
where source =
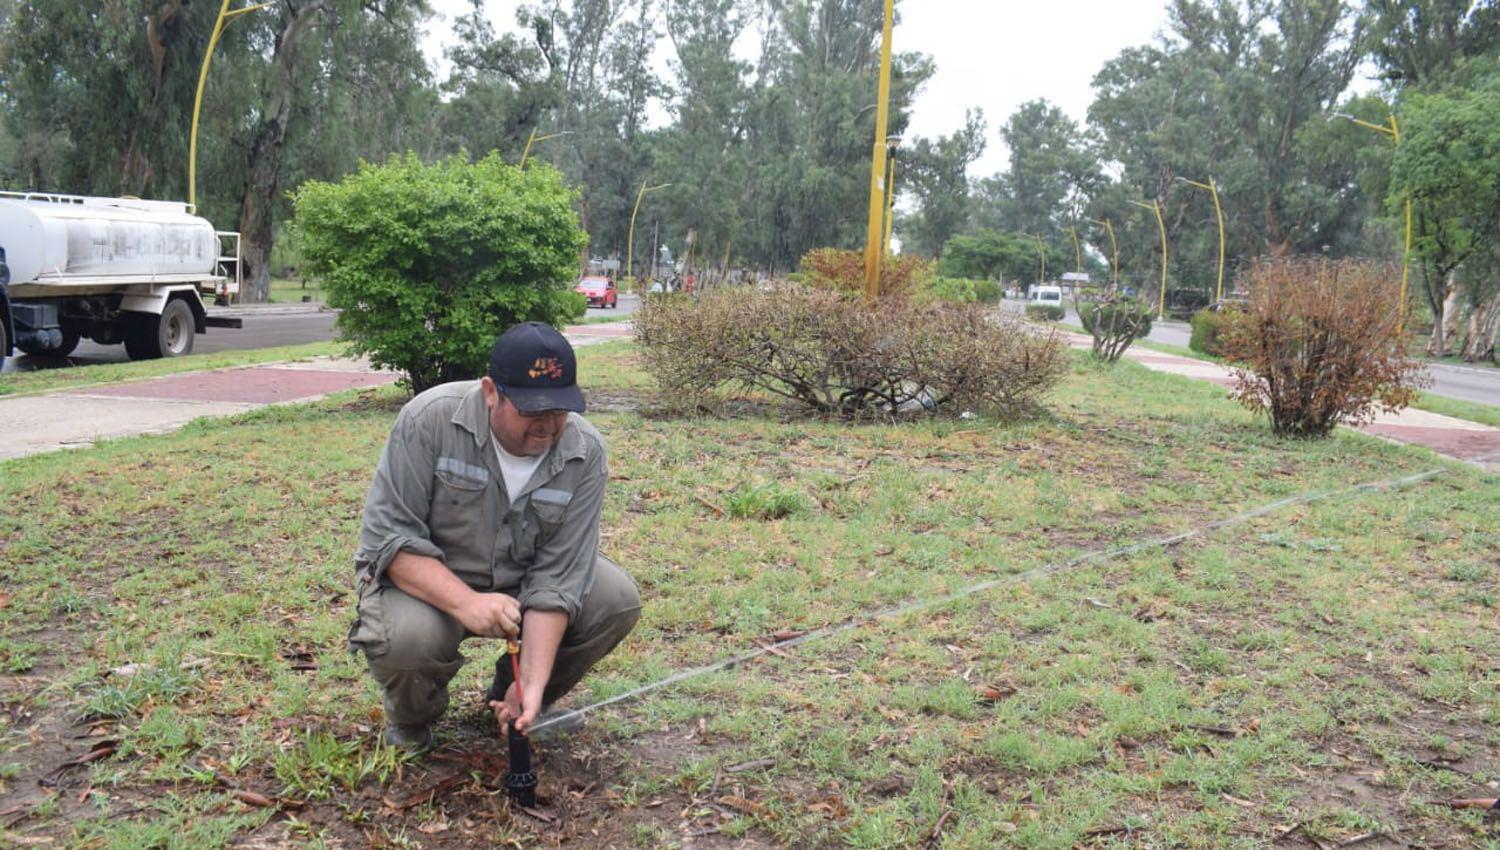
[(483, 521)]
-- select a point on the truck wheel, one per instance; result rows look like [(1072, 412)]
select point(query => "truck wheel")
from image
[(148, 337)]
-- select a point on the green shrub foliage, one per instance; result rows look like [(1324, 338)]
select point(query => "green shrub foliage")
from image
[(1045, 312), (960, 290), (834, 354), (1115, 323), (1205, 338), (430, 262)]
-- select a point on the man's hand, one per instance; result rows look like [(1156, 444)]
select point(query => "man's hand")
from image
[(489, 614), (485, 614), (519, 708)]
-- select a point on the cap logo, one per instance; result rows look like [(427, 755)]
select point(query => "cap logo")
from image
[(546, 367)]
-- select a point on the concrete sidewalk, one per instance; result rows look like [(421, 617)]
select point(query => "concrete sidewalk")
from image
[(1459, 439), (77, 418)]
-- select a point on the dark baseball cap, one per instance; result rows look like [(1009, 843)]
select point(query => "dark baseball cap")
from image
[(534, 366)]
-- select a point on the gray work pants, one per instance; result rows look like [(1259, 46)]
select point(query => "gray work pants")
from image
[(412, 647)]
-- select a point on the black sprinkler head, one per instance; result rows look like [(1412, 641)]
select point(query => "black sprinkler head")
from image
[(520, 781)]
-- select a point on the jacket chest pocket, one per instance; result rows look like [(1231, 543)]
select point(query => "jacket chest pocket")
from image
[(462, 522), (537, 522)]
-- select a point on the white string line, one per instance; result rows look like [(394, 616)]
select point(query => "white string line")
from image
[(980, 587)]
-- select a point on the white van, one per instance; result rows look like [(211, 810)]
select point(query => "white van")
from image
[(1047, 295)]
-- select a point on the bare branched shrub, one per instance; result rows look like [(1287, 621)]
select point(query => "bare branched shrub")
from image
[(901, 275), (1319, 343), (830, 352), (1115, 322)]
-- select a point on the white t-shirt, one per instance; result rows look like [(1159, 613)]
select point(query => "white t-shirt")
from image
[(517, 469)]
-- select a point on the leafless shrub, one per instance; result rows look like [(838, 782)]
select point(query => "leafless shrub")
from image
[(1319, 343), (901, 275), (831, 352), (1114, 322)]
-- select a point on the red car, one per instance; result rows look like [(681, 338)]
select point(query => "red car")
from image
[(599, 290)]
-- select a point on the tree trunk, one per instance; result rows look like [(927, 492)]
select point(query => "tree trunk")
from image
[(1444, 324), (1484, 324), (257, 205)]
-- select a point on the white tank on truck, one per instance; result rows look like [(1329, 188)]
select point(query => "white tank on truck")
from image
[(115, 270)]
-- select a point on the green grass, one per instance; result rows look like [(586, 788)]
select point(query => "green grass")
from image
[(46, 380), (1329, 664), (607, 317), (286, 290), (1485, 414)]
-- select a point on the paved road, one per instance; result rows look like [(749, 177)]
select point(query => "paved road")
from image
[(1466, 383), (260, 331)]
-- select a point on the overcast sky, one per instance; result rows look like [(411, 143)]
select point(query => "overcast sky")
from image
[(991, 54)]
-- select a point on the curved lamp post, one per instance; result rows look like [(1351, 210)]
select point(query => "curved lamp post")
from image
[(1213, 187), (891, 142), (213, 41), (1114, 252), (1393, 132), (1161, 302), (534, 138), (630, 240)]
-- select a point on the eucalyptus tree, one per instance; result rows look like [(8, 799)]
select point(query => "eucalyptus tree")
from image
[(936, 171), (99, 100), (703, 154), (811, 123), (1240, 91), (1422, 42), (1449, 163)]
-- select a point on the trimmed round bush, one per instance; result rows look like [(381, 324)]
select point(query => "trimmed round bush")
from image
[(1205, 338), (1045, 312), (429, 262)]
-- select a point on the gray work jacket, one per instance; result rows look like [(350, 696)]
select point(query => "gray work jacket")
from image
[(439, 492)]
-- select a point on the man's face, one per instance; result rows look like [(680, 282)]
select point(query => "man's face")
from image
[(524, 434)]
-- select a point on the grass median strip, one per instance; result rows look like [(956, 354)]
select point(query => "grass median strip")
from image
[(1326, 668)]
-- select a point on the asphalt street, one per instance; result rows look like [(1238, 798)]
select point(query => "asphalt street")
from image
[(272, 327)]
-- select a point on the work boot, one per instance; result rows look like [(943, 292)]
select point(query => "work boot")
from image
[(415, 738)]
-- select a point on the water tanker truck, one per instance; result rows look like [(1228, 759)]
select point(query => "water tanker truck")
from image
[(114, 270)]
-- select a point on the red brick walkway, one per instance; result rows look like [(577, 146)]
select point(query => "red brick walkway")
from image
[(254, 385)]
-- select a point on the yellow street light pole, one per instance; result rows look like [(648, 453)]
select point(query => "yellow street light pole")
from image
[(877, 163), (1077, 250), (213, 41), (1394, 133), (890, 193), (534, 138), (1214, 189), (1161, 301), (1114, 251), (630, 239)]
